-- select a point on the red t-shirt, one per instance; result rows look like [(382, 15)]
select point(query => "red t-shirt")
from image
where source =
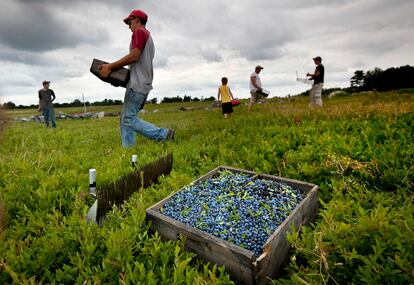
[(139, 38)]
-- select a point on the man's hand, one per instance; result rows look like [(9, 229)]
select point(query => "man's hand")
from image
[(104, 70)]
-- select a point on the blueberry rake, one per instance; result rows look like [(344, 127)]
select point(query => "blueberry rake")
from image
[(116, 193)]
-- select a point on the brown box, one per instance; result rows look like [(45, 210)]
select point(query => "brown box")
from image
[(118, 77), (241, 263)]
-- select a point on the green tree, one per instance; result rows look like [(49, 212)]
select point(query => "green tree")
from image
[(372, 78), (358, 79), (211, 98), (9, 105)]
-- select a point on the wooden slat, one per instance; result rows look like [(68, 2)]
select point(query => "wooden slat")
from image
[(238, 261), (277, 246)]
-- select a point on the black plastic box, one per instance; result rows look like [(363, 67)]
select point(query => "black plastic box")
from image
[(118, 77)]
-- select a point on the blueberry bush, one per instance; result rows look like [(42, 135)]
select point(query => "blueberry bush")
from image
[(358, 149)]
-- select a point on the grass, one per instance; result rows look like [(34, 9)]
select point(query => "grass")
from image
[(357, 148)]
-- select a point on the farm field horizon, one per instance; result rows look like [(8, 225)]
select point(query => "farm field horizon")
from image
[(358, 148)]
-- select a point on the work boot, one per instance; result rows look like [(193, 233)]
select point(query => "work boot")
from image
[(170, 135)]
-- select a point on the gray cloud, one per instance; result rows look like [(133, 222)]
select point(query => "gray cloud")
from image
[(197, 42), (38, 27), (246, 28)]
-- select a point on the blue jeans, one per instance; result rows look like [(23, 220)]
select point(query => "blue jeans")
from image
[(131, 124), (48, 113)]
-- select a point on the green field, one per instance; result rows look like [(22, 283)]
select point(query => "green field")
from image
[(358, 148)]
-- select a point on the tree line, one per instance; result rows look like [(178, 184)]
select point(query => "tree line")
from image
[(108, 102), (383, 80), (74, 103), (185, 99), (377, 79)]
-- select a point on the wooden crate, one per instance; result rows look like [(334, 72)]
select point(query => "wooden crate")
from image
[(241, 263)]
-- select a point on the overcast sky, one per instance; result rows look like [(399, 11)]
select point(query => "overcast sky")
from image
[(197, 42)]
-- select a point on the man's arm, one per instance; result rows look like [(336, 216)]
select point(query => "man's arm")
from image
[(40, 101), (53, 96), (313, 75), (133, 56)]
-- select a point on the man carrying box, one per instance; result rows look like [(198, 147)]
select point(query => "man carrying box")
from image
[(256, 90), (140, 57)]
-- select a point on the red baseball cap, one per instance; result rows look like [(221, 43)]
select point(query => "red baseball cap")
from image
[(136, 13)]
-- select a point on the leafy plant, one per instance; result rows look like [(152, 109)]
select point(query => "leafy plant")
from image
[(358, 148)]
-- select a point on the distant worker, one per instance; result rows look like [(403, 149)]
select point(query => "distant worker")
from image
[(139, 59), (255, 87), (317, 77), (224, 94), (46, 98)]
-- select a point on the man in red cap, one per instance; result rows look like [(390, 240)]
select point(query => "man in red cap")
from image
[(139, 59)]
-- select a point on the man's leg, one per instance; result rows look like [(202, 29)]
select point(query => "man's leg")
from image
[(130, 123), (312, 96), (318, 94), (253, 100), (52, 116), (127, 134), (45, 113)]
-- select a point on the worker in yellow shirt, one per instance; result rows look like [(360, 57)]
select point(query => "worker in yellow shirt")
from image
[(224, 94)]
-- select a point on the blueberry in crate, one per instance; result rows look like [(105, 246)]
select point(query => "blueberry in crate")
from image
[(237, 218), (234, 207)]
